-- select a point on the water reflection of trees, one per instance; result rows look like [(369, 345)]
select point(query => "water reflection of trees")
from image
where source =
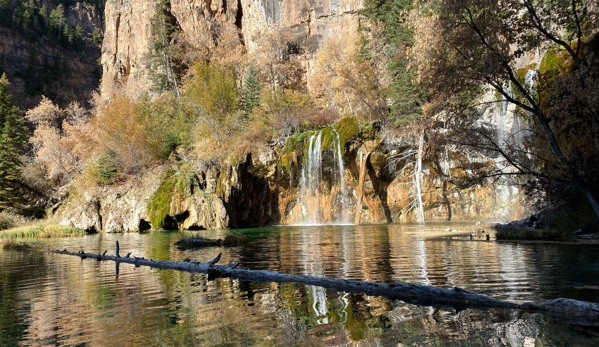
[(82, 302)]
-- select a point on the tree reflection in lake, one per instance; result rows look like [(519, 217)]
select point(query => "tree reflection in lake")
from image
[(50, 299)]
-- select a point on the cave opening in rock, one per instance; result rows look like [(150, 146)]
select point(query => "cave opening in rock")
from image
[(144, 225), (91, 230), (181, 217), (169, 223)]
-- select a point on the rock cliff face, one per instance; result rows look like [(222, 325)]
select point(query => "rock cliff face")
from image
[(263, 190), (206, 196), (37, 64), (204, 24), (260, 190)]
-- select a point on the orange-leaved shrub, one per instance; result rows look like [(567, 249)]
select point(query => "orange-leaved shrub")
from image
[(117, 128)]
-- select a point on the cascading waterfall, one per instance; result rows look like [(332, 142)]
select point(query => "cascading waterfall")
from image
[(322, 189), (511, 129), (503, 116)]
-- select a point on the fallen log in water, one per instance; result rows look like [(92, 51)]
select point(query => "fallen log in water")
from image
[(230, 240), (573, 311), (198, 242)]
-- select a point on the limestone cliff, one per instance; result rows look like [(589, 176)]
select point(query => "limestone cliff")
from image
[(204, 24), (264, 189)]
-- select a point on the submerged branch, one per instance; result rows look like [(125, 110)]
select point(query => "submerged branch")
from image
[(579, 312)]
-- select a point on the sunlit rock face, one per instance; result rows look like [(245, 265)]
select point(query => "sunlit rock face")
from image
[(314, 181), (210, 197), (301, 26), (311, 190), (126, 41)]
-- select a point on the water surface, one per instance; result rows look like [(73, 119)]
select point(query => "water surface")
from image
[(57, 300)]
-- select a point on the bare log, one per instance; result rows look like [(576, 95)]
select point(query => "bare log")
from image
[(230, 240), (573, 311), (198, 242)]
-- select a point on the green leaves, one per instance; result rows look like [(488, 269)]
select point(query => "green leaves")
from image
[(250, 94), (165, 53), (107, 168), (13, 140), (405, 94)]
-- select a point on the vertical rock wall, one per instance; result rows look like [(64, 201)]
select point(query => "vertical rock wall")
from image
[(204, 23), (126, 39)]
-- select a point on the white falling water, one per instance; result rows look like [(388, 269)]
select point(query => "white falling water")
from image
[(529, 80), (504, 116), (510, 127), (322, 189), (511, 130)]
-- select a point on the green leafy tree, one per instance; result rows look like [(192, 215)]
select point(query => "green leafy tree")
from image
[(97, 35), (108, 168), (212, 96), (68, 35), (78, 34), (5, 11), (483, 43), (13, 139), (57, 20)]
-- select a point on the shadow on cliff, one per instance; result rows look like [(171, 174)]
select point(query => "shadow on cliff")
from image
[(253, 201)]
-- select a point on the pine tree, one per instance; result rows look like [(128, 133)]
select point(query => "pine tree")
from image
[(57, 20), (250, 94), (405, 95), (13, 139), (5, 11), (164, 52)]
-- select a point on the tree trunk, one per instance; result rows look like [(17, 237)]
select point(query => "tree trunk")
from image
[(446, 199)]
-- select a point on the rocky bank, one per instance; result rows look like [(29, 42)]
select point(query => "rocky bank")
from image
[(263, 190)]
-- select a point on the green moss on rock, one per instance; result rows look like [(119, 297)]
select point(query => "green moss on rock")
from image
[(160, 204), (346, 128), (552, 61)]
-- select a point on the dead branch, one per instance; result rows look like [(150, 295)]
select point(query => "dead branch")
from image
[(573, 311)]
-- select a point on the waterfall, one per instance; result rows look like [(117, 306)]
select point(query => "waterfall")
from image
[(418, 178), (322, 192), (503, 113), (511, 128), (529, 80)]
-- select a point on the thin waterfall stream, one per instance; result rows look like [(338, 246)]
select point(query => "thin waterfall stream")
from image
[(322, 191)]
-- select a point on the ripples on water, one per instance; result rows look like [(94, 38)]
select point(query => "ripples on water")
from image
[(49, 299)]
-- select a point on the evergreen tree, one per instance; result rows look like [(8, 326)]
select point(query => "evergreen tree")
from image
[(57, 20), (250, 94), (405, 95), (13, 139), (5, 11), (164, 52)]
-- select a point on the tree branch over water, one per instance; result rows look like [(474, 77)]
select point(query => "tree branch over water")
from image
[(573, 311)]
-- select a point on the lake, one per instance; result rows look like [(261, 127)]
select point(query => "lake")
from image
[(58, 300)]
